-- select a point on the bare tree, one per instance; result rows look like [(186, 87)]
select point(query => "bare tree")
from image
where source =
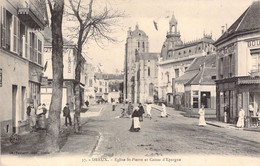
[(53, 129), (92, 25)]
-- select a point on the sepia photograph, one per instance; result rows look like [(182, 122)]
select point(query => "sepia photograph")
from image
[(130, 82)]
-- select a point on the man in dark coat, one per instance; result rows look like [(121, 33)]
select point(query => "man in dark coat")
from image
[(141, 111), (66, 114)]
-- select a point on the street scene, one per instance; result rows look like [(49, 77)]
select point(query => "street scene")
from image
[(130, 82)]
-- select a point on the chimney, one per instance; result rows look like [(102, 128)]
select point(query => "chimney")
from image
[(223, 30)]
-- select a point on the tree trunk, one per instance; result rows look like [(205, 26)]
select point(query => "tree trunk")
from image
[(77, 84), (53, 128)]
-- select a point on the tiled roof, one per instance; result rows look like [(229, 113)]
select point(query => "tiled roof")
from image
[(248, 21), (193, 74), (204, 77)]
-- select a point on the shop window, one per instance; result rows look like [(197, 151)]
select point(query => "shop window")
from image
[(195, 102)]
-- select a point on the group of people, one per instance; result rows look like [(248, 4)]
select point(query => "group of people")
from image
[(137, 117), (37, 115)]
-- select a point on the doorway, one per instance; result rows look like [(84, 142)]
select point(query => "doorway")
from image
[(14, 98), (205, 99)]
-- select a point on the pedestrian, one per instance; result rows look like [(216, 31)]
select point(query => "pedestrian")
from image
[(148, 110), (66, 114), (201, 112), (123, 111), (31, 113), (141, 112), (163, 112), (241, 118), (113, 105), (42, 117), (135, 127), (130, 109), (227, 113)]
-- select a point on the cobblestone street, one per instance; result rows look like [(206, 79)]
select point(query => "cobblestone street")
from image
[(168, 136)]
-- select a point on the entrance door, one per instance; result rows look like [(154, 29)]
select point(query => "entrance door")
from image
[(14, 98), (205, 99), (22, 103)]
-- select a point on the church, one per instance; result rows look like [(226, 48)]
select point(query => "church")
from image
[(140, 68)]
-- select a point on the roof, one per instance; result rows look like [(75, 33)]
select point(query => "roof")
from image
[(48, 38), (186, 77), (248, 21), (193, 73), (204, 77)]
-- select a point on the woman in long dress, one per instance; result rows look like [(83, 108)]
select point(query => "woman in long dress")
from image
[(241, 118), (202, 121), (164, 113), (135, 127)]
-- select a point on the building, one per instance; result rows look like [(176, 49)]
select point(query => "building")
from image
[(69, 63), (199, 86), (176, 56), (115, 87), (101, 86), (136, 42), (140, 80), (146, 77), (21, 61), (89, 86), (238, 66)]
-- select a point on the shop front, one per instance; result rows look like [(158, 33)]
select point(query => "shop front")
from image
[(236, 93)]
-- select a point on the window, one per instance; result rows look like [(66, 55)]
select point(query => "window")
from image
[(189, 51), (40, 52), (195, 102), (179, 53), (106, 90), (230, 65), (33, 47), (100, 89), (195, 93), (100, 83), (213, 77), (221, 66), (177, 73), (143, 47), (138, 45), (255, 58), (184, 52), (151, 89), (149, 72), (15, 33)]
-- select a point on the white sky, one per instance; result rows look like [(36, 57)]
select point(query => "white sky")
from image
[(194, 16)]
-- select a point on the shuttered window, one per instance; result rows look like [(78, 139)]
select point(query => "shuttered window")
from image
[(3, 25), (15, 35), (26, 42), (31, 46), (40, 52)]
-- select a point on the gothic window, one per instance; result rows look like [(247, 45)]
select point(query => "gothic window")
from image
[(143, 47), (149, 72), (138, 45), (151, 89)]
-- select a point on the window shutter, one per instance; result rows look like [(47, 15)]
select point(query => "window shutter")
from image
[(14, 34), (35, 48), (26, 42), (3, 28), (31, 46), (233, 65), (18, 37)]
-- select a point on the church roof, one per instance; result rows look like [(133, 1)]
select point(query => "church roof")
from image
[(249, 21), (138, 32)]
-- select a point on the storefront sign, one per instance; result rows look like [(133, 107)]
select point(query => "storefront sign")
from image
[(254, 43), (1, 78)]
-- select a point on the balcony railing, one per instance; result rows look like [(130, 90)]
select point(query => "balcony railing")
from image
[(32, 12)]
